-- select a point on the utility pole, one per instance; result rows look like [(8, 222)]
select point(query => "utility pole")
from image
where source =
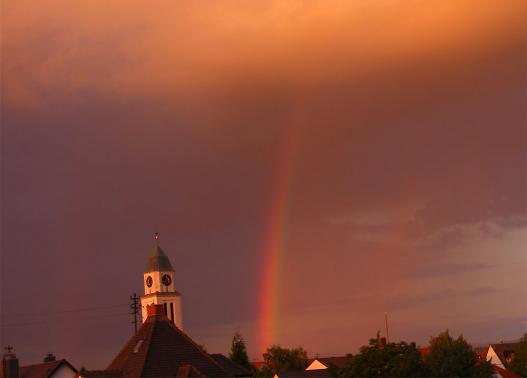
[(134, 307), (387, 334)]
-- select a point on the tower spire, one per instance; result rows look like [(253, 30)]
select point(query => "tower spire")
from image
[(159, 284), (156, 243)]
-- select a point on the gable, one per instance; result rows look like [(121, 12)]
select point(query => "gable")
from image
[(492, 356), (316, 365)]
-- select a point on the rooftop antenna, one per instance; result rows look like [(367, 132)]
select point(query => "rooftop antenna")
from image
[(386, 321)]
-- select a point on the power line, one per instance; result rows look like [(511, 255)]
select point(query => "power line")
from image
[(62, 321), (65, 311)]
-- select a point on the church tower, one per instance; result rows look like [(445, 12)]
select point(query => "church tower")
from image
[(158, 280)]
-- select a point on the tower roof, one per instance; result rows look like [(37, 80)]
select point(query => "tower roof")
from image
[(158, 260), (160, 349)]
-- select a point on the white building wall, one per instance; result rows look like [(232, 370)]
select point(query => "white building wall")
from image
[(64, 372), (161, 299), (491, 355), (316, 365)]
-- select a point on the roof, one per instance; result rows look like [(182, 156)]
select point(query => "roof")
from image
[(99, 374), (425, 351), (481, 352), (230, 366), (339, 362), (258, 365), (160, 349), (319, 373), (186, 371), (502, 348), (158, 260), (505, 373), (505, 347), (44, 369)]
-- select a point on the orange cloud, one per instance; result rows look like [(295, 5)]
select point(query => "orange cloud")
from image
[(130, 47)]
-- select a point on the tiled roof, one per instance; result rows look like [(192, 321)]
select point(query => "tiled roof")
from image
[(319, 373), (504, 373), (505, 350), (258, 365), (99, 374), (187, 371), (505, 347), (339, 362), (160, 349), (44, 369), (230, 366), (425, 351)]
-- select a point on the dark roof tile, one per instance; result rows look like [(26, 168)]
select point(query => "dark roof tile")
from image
[(160, 349), (44, 369), (230, 366)]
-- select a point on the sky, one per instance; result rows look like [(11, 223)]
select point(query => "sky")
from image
[(309, 165)]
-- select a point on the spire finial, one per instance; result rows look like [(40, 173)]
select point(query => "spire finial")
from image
[(156, 236)]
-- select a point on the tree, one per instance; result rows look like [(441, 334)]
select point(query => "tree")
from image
[(280, 359), (391, 360), (238, 351), (450, 357), (519, 361)]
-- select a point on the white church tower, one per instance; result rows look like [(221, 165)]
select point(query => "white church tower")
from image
[(159, 285)]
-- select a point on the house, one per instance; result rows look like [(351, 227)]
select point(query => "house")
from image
[(317, 368), (161, 349), (325, 362), (502, 354), (49, 368)]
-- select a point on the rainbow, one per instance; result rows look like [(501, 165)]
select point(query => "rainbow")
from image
[(275, 239)]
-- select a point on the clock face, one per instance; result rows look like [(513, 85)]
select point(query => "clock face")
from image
[(166, 279), (149, 281)]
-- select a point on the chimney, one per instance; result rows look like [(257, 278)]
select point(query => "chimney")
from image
[(155, 310), (10, 364), (50, 357)]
